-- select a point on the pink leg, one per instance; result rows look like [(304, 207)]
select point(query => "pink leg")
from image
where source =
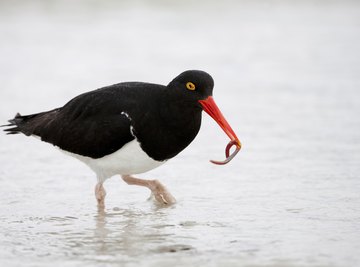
[(159, 191), (100, 194)]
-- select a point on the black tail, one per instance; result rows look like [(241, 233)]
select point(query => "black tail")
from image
[(28, 124), (14, 122), (18, 121)]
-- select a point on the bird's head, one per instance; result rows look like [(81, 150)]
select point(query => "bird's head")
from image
[(197, 86)]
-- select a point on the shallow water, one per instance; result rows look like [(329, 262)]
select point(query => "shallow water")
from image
[(287, 79)]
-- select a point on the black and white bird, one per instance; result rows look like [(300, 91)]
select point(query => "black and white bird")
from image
[(130, 128)]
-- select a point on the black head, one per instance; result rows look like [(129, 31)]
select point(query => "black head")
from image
[(195, 87), (193, 84)]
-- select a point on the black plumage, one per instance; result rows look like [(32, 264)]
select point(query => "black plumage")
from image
[(164, 119)]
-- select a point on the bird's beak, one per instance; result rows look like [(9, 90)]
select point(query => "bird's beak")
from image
[(210, 107)]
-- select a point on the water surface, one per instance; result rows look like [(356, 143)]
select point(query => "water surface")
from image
[(287, 79)]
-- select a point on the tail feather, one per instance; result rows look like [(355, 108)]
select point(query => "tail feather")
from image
[(24, 124), (17, 116), (13, 122), (14, 130)]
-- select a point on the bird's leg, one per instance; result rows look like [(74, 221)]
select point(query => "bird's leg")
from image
[(159, 191), (100, 194)]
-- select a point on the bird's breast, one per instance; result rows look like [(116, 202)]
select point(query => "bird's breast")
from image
[(167, 134)]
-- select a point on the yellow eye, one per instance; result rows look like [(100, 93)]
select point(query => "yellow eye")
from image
[(190, 86)]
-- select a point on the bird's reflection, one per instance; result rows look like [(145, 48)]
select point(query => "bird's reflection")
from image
[(131, 231)]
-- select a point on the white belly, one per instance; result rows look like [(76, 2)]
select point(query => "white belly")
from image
[(130, 159)]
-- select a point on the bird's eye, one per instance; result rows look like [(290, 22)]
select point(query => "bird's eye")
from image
[(190, 86)]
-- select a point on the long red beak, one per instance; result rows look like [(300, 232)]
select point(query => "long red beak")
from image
[(212, 109)]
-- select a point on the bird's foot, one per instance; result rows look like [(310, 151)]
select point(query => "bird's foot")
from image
[(158, 190), (160, 193)]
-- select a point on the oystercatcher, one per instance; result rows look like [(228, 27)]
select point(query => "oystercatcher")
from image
[(130, 128)]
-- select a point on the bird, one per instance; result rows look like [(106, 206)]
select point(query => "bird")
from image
[(130, 128)]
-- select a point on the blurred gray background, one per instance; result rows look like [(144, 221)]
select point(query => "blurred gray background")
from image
[(287, 78)]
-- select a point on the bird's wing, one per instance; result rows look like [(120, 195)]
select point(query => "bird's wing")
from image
[(92, 124)]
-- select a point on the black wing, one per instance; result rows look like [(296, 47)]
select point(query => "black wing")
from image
[(92, 124)]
